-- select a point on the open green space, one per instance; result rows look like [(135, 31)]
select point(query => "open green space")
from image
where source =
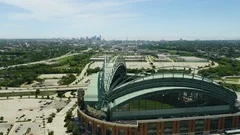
[(37, 51), (234, 86), (227, 67), (68, 79), (232, 80), (175, 59), (62, 60), (75, 61), (14, 77), (232, 77)]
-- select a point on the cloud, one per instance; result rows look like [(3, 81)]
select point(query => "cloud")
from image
[(52, 10)]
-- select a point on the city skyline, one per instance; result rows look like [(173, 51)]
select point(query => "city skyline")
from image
[(115, 19)]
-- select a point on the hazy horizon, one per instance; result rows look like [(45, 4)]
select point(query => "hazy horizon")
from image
[(121, 19), (129, 39)]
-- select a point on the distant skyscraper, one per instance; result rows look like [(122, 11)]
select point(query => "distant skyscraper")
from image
[(95, 38)]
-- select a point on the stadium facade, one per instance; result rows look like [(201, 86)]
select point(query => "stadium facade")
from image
[(163, 103)]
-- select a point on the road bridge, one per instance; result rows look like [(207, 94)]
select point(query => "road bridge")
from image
[(43, 90)]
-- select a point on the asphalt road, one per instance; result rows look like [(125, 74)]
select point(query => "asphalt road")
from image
[(71, 87), (48, 61)]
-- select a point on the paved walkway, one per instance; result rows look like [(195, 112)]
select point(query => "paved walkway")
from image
[(215, 65), (82, 75), (57, 124), (170, 59), (12, 131)]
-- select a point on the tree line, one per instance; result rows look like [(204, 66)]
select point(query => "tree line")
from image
[(14, 77)]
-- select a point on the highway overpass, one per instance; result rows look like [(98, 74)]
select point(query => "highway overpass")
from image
[(44, 91)]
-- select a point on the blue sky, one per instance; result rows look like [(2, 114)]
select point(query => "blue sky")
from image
[(118, 19)]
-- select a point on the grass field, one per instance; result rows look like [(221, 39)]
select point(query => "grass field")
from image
[(175, 59), (61, 67), (62, 60), (232, 79)]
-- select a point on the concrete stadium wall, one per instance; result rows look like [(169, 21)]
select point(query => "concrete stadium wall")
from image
[(175, 126)]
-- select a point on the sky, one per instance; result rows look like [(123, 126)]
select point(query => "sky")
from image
[(118, 19)]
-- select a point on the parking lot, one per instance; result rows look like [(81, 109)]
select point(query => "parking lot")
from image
[(146, 65), (27, 114), (27, 128), (4, 127)]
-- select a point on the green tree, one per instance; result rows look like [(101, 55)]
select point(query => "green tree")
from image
[(49, 120), (68, 116), (40, 80), (75, 130), (70, 127), (37, 92), (234, 87), (212, 63), (51, 133), (53, 115), (1, 118), (68, 79)]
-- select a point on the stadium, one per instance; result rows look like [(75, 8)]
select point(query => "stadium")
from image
[(163, 103)]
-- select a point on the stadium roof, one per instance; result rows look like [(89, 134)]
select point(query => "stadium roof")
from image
[(92, 91), (124, 98), (166, 82)]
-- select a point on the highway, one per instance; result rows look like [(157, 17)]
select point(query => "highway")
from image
[(49, 61), (22, 90), (43, 91), (70, 87)]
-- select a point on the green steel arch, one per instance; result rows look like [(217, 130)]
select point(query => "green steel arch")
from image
[(109, 71), (112, 72)]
